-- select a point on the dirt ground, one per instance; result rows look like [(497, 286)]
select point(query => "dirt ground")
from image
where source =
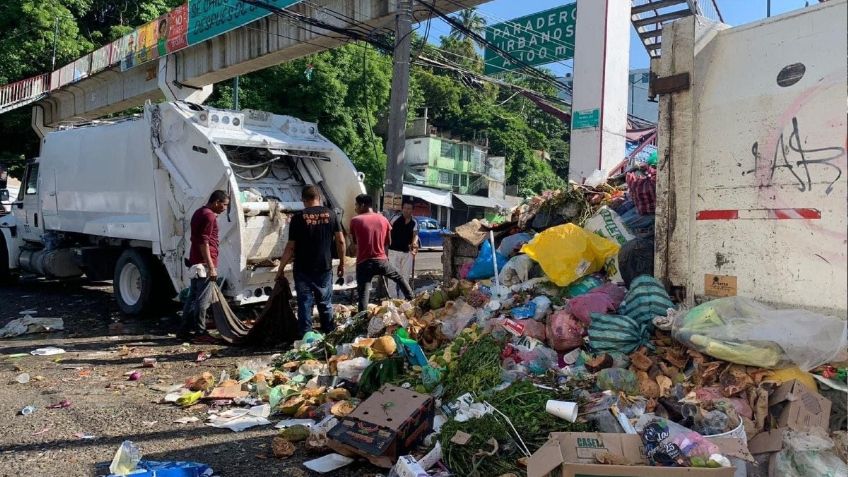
[(101, 346)]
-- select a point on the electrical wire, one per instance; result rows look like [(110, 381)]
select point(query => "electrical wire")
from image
[(500, 51)]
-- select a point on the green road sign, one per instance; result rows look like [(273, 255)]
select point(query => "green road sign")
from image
[(209, 18), (536, 39), (588, 118)]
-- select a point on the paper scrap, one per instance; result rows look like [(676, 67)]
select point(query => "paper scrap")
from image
[(328, 463)]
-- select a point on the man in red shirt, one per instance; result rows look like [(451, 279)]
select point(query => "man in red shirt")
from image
[(203, 263), (371, 234)]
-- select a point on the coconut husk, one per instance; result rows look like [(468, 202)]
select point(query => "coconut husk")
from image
[(282, 448), (647, 386), (599, 362), (342, 408), (204, 382), (641, 361), (338, 394), (295, 433), (665, 385), (734, 380), (279, 378)]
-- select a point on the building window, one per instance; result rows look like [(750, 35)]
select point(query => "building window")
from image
[(444, 178), (456, 180), (464, 180), (447, 149)]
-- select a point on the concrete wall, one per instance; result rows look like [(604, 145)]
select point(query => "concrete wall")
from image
[(752, 174)]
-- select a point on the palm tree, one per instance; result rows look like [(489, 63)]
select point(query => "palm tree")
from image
[(470, 21)]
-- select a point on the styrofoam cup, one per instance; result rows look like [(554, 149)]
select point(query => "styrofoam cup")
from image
[(562, 409)]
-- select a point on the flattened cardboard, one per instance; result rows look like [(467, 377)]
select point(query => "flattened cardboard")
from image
[(575, 454), (384, 426), (803, 408), (765, 442)]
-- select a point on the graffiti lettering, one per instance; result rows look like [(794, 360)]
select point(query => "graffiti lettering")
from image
[(788, 150)]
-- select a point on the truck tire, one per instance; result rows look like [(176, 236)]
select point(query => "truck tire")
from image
[(134, 283)]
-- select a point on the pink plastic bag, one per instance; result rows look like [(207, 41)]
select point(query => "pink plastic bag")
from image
[(603, 299), (564, 331)]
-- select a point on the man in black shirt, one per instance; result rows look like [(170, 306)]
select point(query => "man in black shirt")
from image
[(311, 234), (404, 245)]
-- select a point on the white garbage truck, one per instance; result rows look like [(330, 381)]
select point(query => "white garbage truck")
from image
[(112, 200)]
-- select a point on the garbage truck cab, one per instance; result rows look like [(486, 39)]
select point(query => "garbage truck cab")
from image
[(113, 199)]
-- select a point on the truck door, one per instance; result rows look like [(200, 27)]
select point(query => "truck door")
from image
[(28, 209)]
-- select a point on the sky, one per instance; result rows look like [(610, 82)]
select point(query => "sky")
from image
[(735, 12)]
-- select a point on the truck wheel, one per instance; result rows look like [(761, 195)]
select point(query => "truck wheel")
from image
[(134, 282)]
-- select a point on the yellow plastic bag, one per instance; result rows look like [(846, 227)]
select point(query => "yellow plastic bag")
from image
[(568, 252)]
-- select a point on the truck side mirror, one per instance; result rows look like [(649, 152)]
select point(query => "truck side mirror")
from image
[(4, 195)]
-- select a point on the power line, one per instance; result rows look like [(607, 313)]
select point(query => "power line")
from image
[(520, 27), (475, 36)]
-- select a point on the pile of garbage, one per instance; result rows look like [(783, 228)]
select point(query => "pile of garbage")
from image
[(555, 347)]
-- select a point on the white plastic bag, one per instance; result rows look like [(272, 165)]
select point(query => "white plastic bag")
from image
[(743, 331), (596, 178), (808, 453), (351, 369), (608, 224), (458, 316), (516, 270)]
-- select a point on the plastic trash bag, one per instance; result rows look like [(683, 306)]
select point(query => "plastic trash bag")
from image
[(808, 453), (543, 306), (513, 243), (516, 270), (603, 299), (743, 331), (458, 316), (645, 300), (483, 267), (609, 333), (564, 332), (617, 380), (584, 285), (351, 369), (126, 459), (608, 224), (567, 252)]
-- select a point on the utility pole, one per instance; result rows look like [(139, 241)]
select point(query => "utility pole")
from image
[(768, 8), (55, 40), (236, 93), (396, 143)]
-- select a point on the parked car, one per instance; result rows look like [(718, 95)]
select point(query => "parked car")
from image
[(430, 232)]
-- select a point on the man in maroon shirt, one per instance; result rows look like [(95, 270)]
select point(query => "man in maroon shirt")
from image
[(203, 263), (371, 233)]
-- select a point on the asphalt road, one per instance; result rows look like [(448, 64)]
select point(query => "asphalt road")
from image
[(428, 261)]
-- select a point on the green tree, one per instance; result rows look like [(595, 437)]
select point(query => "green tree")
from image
[(344, 90), (471, 21)]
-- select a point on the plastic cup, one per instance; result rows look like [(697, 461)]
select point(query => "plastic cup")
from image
[(562, 409)]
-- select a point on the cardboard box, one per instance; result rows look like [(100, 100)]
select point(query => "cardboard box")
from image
[(798, 407), (385, 426), (575, 453)]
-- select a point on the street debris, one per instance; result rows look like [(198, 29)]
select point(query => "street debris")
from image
[(48, 351), (29, 325), (128, 461)]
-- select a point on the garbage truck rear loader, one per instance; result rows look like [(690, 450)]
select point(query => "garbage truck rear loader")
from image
[(753, 176), (113, 200)]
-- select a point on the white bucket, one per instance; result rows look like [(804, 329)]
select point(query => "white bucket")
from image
[(739, 433), (562, 409)]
